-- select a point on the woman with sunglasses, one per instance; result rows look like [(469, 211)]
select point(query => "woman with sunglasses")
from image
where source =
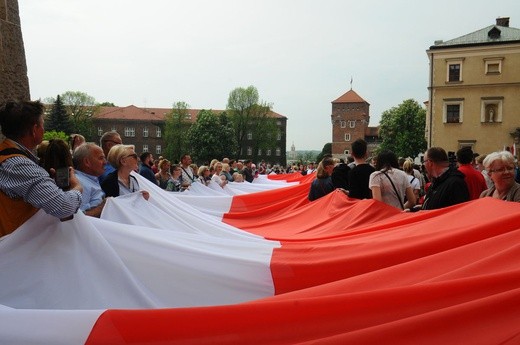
[(501, 170), (120, 182)]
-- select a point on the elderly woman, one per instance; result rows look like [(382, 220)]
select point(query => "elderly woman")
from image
[(120, 182), (501, 169), (204, 175), (216, 175), (322, 185), (389, 184)]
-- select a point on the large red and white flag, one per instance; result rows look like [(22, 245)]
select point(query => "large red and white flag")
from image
[(264, 267)]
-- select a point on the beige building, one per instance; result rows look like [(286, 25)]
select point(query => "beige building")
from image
[(474, 90)]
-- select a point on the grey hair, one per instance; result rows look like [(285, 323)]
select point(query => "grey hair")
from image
[(80, 153), (504, 156)]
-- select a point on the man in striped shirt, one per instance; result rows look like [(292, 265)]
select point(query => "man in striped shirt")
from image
[(25, 187)]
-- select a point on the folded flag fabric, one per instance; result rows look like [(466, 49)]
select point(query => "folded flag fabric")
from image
[(264, 267)]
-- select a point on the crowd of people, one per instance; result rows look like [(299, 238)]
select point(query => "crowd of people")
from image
[(438, 182), (28, 180)]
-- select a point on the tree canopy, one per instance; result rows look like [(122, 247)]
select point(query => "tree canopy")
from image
[(80, 108), (177, 123), (251, 121), (58, 120), (211, 136), (402, 129), (325, 151)]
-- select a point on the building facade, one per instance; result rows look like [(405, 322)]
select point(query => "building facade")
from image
[(350, 118), (144, 127), (474, 90)]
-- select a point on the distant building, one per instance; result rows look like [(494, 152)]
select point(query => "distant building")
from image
[(474, 90), (350, 118), (292, 155), (143, 127)]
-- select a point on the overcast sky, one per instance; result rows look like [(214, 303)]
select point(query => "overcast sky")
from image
[(299, 54)]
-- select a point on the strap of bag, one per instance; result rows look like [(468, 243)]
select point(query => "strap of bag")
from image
[(11, 151), (395, 190), (192, 178)]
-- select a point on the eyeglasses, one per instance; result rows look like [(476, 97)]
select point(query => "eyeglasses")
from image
[(502, 170), (131, 155)]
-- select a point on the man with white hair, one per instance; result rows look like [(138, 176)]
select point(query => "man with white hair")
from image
[(89, 162)]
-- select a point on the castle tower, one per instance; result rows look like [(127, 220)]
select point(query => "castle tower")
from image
[(350, 118)]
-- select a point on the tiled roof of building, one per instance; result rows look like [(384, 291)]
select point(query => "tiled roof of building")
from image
[(493, 34), (350, 97), (132, 112)]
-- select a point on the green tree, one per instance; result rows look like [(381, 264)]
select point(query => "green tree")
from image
[(106, 104), (251, 118), (81, 108), (326, 150), (48, 135), (402, 129), (176, 125), (58, 120), (209, 137)]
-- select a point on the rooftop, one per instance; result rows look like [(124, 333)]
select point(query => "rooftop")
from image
[(350, 97), (132, 112), (500, 33)]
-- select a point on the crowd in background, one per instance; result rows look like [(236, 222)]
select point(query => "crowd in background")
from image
[(441, 180)]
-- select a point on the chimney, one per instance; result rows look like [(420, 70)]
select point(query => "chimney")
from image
[(503, 21)]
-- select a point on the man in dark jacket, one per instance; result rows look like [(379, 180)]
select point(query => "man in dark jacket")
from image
[(145, 168), (448, 186)]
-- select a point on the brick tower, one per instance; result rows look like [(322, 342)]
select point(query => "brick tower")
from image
[(350, 118)]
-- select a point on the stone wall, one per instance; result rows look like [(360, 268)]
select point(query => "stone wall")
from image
[(14, 83)]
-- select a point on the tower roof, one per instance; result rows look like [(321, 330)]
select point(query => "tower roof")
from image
[(350, 97)]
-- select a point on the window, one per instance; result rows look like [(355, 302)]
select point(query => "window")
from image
[(259, 152), (346, 152), (347, 136), (491, 109), (493, 65), (158, 132), (453, 109), (278, 151), (129, 132), (452, 113), (99, 131), (467, 143), (145, 132), (454, 73), (249, 151), (158, 149), (454, 70), (352, 123), (113, 128), (343, 123), (268, 152), (249, 136), (279, 136), (145, 147)]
